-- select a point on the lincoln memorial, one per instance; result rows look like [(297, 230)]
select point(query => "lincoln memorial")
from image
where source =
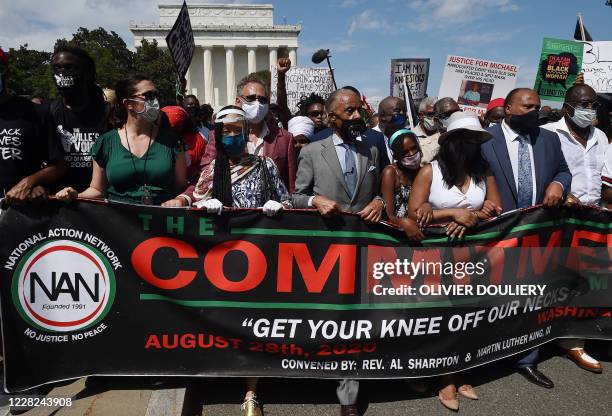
[(232, 40)]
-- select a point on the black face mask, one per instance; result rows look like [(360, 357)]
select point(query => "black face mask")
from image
[(524, 123), (351, 129), (67, 80)]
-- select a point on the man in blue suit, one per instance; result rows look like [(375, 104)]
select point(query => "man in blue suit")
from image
[(371, 137), (529, 169)]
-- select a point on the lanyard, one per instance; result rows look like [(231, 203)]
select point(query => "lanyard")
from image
[(147, 199)]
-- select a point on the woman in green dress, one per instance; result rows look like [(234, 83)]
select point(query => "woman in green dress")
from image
[(137, 162)]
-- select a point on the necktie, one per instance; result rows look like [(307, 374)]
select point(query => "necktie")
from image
[(350, 169), (525, 182)]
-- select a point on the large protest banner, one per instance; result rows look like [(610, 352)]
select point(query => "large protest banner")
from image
[(474, 82), (96, 288), (417, 72), (560, 63), (597, 65), (180, 42), (300, 82)]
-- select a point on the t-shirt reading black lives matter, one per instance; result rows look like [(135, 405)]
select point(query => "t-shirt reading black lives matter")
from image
[(77, 132), (26, 143)]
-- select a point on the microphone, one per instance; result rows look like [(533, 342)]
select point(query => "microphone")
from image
[(320, 55)]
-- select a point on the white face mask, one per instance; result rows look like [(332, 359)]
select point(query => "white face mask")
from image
[(583, 117), (255, 111), (150, 112)]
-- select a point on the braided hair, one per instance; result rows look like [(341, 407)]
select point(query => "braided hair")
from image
[(222, 178)]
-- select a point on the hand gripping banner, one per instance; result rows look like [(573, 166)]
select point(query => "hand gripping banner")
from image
[(96, 288)]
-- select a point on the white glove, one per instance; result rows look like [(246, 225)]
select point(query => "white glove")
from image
[(271, 207), (213, 206)]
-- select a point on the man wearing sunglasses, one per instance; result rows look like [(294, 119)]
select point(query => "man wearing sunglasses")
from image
[(79, 115), (265, 139), (584, 147), (426, 130), (443, 108)]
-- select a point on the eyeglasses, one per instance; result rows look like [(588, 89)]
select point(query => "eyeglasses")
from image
[(587, 104), (147, 96), (251, 98), (445, 115)]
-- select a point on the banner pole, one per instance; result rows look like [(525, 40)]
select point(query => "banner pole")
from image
[(582, 35), (408, 100)]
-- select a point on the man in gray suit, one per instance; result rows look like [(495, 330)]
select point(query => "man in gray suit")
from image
[(336, 174)]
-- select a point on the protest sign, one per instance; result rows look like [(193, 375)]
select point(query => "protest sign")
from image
[(560, 63), (417, 74), (597, 65), (180, 42), (300, 82), (185, 293), (474, 82)]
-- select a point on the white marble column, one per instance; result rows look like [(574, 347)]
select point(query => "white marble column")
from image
[(231, 74), (252, 60), (293, 56), (208, 76), (273, 57)]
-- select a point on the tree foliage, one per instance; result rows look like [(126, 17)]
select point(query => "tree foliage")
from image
[(30, 72), (156, 63)]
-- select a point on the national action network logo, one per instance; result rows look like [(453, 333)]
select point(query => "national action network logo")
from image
[(63, 286)]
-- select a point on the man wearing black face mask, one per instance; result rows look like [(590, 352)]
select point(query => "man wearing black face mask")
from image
[(529, 169), (80, 114), (339, 173), (30, 159), (371, 137)]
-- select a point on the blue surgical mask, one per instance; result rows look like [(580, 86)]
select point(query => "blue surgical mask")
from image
[(233, 145), (398, 119)]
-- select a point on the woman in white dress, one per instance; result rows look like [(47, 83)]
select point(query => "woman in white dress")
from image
[(457, 189)]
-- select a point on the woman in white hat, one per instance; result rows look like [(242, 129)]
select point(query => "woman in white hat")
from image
[(460, 191)]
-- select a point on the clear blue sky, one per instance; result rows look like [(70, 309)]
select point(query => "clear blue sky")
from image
[(362, 35)]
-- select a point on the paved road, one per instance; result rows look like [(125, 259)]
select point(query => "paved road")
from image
[(502, 392)]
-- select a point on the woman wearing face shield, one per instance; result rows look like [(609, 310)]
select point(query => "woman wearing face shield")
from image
[(237, 179), (137, 162)]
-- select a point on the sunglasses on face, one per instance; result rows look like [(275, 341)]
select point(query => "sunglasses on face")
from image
[(251, 98), (445, 115), (147, 96)]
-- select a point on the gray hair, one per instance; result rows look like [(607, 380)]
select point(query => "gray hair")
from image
[(425, 102), (249, 79)]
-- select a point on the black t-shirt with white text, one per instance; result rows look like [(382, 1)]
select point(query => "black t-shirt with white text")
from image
[(26, 142), (76, 132)]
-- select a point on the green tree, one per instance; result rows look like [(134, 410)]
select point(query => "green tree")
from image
[(156, 63), (30, 73), (110, 53)]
